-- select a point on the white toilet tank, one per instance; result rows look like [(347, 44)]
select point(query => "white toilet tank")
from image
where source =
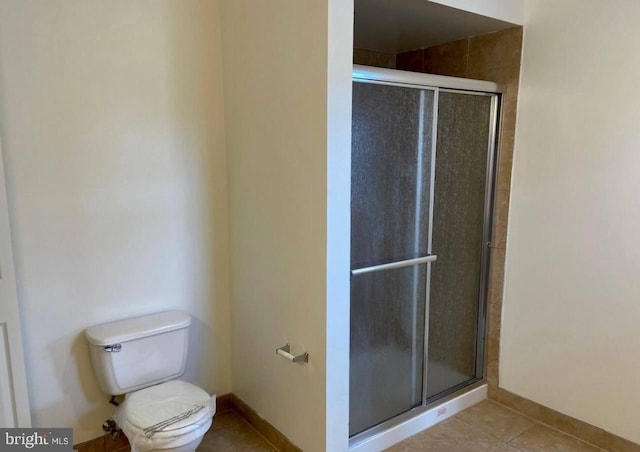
[(138, 352)]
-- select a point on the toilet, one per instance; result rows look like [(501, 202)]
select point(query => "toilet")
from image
[(143, 357)]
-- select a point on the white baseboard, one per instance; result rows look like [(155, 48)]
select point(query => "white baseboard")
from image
[(420, 422)]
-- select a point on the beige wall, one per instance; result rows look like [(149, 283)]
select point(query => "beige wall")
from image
[(276, 75), (570, 335), (111, 117)]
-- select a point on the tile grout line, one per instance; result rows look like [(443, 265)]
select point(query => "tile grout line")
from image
[(522, 432), (484, 429), (546, 425), (488, 432), (504, 443), (474, 427)]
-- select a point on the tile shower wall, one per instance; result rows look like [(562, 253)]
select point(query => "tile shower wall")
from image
[(373, 58), (495, 57)]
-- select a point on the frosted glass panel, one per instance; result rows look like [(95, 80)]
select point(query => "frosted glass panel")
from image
[(387, 344), (390, 189), (390, 161), (461, 167)]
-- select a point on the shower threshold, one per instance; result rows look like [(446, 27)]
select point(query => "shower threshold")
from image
[(420, 418)]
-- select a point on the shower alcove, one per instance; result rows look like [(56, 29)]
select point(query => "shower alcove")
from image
[(423, 190)]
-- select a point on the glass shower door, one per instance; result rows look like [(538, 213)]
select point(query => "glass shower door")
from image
[(390, 214), (461, 191)]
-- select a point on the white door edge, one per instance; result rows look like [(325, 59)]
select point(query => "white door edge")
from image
[(14, 400)]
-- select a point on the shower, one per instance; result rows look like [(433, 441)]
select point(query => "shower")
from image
[(423, 153)]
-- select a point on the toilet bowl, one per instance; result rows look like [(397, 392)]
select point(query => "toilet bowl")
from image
[(143, 357), (181, 413)]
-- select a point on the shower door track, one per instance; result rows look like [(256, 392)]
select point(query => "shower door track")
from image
[(438, 84)]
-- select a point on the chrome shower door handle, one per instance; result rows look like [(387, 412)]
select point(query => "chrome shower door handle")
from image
[(397, 264)]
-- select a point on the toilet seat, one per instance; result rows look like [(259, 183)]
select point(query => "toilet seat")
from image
[(181, 412)]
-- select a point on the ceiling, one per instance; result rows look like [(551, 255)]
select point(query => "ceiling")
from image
[(395, 26)]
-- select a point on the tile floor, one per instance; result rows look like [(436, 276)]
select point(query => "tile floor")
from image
[(485, 427), (232, 433), (490, 427)]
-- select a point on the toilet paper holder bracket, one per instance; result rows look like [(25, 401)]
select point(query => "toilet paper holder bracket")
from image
[(285, 352)]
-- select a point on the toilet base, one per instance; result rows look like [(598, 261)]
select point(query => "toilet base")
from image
[(191, 446)]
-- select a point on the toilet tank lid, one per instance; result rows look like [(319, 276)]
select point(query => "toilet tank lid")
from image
[(137, 327)]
